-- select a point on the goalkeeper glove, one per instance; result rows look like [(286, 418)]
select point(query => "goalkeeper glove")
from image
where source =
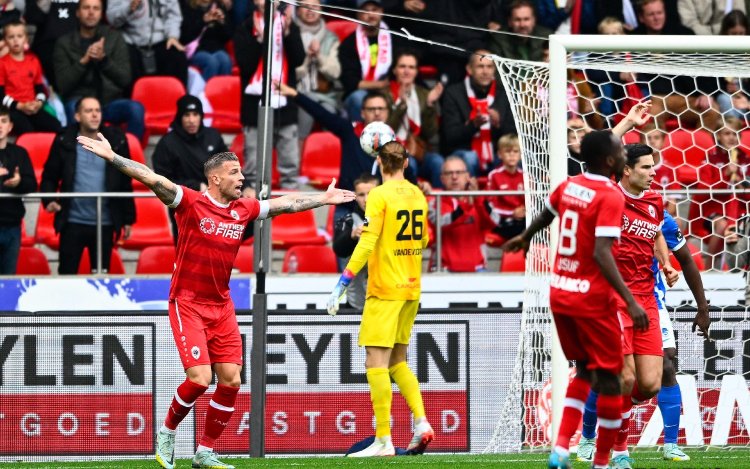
[(339, 291)]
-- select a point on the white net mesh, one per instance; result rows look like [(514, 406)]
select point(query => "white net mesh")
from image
[(700, 130)]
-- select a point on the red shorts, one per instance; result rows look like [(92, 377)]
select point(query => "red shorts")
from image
[(205, 334), (596, 340), (647, 342)]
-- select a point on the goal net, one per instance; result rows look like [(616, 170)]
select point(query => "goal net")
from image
[(700, 130)]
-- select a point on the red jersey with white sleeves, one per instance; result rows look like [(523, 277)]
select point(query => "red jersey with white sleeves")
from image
[(210, 237), (501, 179), (589, 206), (641, 222)]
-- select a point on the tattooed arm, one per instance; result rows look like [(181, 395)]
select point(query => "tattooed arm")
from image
[(164, 189), (291, 203)]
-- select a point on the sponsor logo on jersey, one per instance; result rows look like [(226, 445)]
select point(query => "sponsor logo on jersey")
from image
[(579, 192), (574, 285), (625, 222), (642, 228), (230, 230), (207, 225)]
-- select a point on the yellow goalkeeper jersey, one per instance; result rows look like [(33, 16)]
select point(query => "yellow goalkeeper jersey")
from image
[(394, 235)]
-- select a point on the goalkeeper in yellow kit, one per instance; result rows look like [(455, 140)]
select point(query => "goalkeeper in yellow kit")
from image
[(394, 235)]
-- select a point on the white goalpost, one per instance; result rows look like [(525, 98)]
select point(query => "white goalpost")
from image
[(540, 99)]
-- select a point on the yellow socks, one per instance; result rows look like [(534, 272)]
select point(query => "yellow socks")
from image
[(409, 387), (380, 395)]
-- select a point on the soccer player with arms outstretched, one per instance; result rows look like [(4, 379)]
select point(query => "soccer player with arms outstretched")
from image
[(393, 238), (201, 312), (585, 287)]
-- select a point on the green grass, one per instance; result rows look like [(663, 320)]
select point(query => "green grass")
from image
[(713, 458)]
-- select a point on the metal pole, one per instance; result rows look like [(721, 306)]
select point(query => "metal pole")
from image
[(98, 235), (262, 232), (438, 234)]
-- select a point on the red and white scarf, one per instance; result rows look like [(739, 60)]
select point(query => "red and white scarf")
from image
[(385, 53), (279, 68), (482, 140), (412, 123)]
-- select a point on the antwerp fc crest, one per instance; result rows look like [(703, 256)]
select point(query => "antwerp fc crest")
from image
[(652, 211), (625, 222), (207, 226)]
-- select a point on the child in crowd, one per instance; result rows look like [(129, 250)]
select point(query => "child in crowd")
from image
[(22, 85), (507, 212)]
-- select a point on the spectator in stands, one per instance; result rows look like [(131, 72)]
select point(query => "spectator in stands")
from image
[(679, 96), (9, 13), (354, 161), (665, 176), (414, 117), (521, 22), (205, 31), (625, 11), (346, 233), (365, 56), (70, 168), (317, 75), (52, 20), (152, 32), (475, 113), (462, 235), (577, 128), (574, 17), (16, 177), (485, 14), (22, 86), (507, 212), (180, 155), (248, 43), (93, 60), (706, 16), (711, 213), (732, 98)]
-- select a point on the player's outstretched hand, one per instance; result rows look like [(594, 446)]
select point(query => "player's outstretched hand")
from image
[(639, 316), (639, 114), (671, 275), (702, 321), (100, 147), (515, 244), (336, 196)]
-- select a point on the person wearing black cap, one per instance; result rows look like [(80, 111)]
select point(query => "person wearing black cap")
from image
[(180, 155)]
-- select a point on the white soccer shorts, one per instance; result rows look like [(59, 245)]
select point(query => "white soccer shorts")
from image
[(667, 331)]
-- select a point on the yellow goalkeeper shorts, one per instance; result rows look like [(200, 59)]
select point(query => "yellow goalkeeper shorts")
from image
[(387, 322)]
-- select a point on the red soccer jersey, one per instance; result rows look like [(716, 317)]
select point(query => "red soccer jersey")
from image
[(19, 78), (501, 179), (210, 236), (588, 206), (641, 222), (462, 234)]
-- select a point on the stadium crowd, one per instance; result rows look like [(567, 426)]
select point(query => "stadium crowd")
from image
[(60, 58)]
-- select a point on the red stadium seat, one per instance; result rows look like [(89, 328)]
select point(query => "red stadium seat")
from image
[(28, 241), (238, 148), (136, 154), (632, 137), (38, 145), (341, 28), (293, 229), (116, 266), (244, 260), (32, 261), (310, 259), (696, 255), (45, 229), (321, 159), (152, 226), (513, 262), (159, 95), (223, 92), (156, 260), (687, 147)]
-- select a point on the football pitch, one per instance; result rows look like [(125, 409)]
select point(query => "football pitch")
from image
[(713, 458)]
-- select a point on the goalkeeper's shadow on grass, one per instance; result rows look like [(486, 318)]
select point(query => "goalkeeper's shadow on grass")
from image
[(360, 445)]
